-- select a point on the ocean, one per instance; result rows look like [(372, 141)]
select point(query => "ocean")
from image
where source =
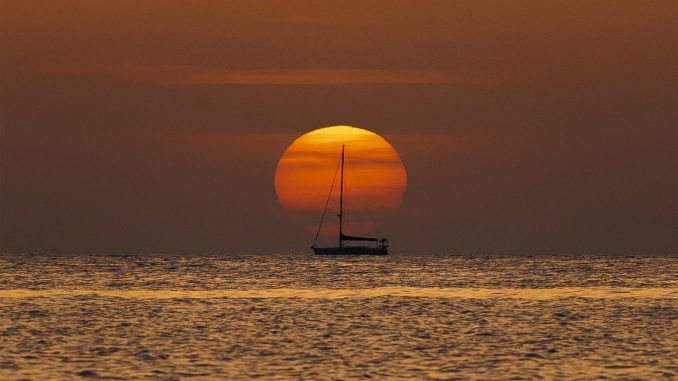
[(240, 317)]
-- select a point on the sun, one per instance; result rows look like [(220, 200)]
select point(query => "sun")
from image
[(375, 178)]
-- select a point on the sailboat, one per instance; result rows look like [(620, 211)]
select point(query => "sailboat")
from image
[(381, 247)]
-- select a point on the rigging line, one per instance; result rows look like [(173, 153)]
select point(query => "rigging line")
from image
[(334, 179)]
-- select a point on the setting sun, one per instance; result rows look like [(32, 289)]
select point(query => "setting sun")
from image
[(375, 178)]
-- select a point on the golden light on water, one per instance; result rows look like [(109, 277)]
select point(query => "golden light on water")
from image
[(375, 178), (374, 292)]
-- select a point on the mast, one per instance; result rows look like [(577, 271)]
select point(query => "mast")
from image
[(341, 197)]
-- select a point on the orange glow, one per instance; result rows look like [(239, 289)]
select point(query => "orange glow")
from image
[(201, 75), (374, 177)]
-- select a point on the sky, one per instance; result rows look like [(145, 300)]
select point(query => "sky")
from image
[(526, 127)]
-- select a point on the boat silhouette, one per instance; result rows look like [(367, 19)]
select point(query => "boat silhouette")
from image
[(381, 247)]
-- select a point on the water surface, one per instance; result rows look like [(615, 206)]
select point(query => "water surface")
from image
[(305, 317)]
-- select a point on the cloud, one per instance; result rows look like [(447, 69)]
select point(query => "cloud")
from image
[(204, 75)]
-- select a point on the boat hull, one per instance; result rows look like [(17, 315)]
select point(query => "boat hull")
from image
[(350, 250)]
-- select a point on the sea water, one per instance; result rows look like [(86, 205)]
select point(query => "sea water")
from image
[(286, 317)]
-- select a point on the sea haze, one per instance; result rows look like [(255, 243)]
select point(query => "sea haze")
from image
[(305, 317)]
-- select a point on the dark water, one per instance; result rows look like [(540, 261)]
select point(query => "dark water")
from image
[(303, 317)]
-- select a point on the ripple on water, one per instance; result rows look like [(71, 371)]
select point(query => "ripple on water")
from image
[(282, 317)]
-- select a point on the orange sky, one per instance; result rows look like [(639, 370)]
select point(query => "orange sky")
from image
[(526, 126)]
